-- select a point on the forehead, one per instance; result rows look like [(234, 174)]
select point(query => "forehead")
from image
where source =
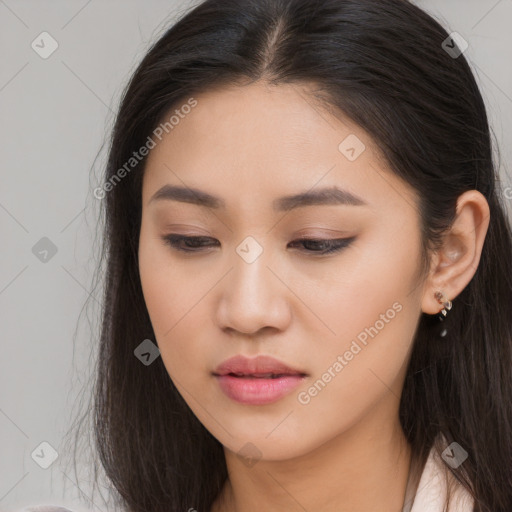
[(267, 141)]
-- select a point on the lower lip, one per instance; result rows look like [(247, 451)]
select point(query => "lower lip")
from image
[(254, 391)]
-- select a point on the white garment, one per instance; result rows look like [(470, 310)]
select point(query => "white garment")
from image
[(432, 489), (430, 495)]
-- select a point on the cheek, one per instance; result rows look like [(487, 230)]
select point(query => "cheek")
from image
[(371, 308), (172, 299), (360, 367)]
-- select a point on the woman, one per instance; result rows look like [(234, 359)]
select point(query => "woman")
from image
[(309, 291)]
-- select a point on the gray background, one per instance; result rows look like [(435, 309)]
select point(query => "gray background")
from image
[(56, 113)]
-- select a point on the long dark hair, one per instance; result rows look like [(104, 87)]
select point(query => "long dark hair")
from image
[(383, 64)]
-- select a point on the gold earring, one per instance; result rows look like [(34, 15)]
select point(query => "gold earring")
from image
[(447, 304)]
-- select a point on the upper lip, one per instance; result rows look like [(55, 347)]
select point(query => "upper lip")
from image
[(259, 365)]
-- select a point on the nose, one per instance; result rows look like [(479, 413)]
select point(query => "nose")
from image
[(254, 297)]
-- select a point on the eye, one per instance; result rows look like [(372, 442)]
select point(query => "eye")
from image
[(321, 246), (192, 242), (316, 246)]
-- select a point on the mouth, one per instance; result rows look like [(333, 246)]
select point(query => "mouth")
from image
[(257, 381)]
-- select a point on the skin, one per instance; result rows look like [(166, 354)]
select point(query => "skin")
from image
[(344, 450)]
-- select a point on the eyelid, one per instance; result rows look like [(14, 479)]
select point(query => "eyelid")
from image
[(188, 230), (313, 232)]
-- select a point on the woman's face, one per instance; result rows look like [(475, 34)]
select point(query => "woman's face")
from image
[(345, 320)]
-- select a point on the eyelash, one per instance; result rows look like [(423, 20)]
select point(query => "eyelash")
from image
[(334, 245)]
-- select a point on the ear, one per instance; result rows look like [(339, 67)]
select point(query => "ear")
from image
[(455, 263)]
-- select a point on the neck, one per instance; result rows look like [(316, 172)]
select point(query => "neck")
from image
[(365, 468)]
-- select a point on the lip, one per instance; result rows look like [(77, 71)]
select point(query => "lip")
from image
[(259, 365), (249, 386)]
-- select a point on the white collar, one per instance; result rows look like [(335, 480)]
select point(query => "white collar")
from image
[(432, 489)]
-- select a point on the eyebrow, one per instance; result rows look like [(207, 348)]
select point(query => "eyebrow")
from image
[(324, 196)]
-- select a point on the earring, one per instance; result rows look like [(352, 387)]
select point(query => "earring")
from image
[(447, 305), (444, 301)]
